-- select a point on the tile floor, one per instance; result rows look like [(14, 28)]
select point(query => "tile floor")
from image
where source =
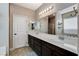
[(24, 51)]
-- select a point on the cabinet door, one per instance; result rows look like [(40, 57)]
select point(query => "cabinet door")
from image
[(30, 41), (37, 49), (46, 51)]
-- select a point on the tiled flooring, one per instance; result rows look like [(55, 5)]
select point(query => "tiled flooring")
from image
[(24, 51)]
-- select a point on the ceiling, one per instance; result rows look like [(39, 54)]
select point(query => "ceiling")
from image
[(32, 6)]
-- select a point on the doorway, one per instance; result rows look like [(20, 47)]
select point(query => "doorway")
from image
[(51, 24), (20, 29)]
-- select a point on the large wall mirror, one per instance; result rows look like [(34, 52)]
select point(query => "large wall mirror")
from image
[(70, 26), (35, 25)]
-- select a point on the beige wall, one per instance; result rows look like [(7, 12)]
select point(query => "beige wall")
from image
[(24, 11), (15, 9)]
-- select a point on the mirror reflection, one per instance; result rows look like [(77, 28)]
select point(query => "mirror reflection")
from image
[(58, 24), (70, 23)]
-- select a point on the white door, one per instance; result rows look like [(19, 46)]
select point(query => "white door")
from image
[(20, 29)]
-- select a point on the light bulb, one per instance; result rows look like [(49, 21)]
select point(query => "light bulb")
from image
[(50, 7), (44, 10), (47, 9)]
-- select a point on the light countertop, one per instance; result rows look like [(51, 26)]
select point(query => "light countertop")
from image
[(54, 39)]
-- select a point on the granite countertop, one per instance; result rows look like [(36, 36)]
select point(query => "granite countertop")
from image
[(54, 39)]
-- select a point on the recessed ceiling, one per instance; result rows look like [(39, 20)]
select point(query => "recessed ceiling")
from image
[(32, 6)]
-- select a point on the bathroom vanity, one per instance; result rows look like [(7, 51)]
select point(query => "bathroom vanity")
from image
[(61, 43), (49, 45)]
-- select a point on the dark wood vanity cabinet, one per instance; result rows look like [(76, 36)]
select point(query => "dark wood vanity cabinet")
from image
[(35, 44), (30, 41), (43, 48), (46, 51)]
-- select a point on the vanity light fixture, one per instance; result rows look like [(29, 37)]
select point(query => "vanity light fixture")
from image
[(46, 10), (50, 7), (42, 11)]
